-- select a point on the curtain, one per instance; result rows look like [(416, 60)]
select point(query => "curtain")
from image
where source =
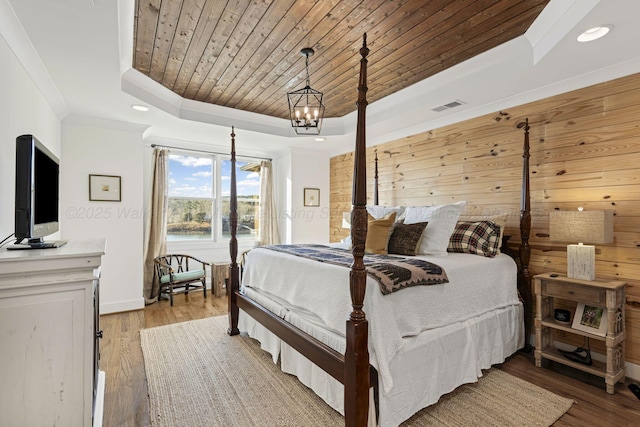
[(268, 215), (156, 241)]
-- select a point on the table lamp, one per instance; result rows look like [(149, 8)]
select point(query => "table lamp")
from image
[(595, 227)]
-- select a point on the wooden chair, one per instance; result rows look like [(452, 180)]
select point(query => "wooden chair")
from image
[(176, 277)]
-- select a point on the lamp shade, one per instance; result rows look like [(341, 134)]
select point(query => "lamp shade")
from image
[(581, 226)]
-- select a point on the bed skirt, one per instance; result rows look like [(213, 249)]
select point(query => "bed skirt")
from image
[(426, 367)]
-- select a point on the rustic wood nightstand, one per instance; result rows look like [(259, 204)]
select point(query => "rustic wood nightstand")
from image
[(599, 293)]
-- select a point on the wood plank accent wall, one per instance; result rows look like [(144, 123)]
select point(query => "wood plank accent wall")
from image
[(585, 151)]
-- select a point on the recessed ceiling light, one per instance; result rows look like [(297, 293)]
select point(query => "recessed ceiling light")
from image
[(140, 108), (319, 139), (594, 33)]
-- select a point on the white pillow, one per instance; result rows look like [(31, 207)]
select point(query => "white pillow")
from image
[(378, 211), (442, 221)]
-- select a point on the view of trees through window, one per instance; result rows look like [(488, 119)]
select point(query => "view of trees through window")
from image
[(194, 212)]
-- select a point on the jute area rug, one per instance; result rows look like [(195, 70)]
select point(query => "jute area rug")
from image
[(199, 376)]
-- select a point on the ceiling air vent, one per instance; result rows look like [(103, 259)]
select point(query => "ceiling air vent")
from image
[(453, 104)]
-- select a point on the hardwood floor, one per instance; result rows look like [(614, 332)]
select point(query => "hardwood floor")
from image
[(593, 407), (126, 387), (125, 402)]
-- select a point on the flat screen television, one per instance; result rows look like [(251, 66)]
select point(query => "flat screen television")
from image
[(37, 191)]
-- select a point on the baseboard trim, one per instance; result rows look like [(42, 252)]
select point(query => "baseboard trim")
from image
[(632, 371), (120, 306)]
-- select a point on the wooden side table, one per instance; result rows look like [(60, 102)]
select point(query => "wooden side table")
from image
[(601, 293), (219, 276)]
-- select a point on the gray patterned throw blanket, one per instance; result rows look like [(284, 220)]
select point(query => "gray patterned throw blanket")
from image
[(392, 273)]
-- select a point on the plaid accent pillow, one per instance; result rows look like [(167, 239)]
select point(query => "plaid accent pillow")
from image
[(475, 237), (405, 238), (499, 219)]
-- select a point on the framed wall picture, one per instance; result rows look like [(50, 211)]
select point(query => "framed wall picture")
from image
[(105, 188), (590, 318), (312, 197)]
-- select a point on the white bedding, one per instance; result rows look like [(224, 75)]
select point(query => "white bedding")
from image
[(426, 367), (319, 294)]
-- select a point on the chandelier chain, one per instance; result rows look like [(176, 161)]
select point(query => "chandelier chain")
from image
[(307, 67)]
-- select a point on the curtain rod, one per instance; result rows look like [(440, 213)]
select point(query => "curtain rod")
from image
[(208, 152)]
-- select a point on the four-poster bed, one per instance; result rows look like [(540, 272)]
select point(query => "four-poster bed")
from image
[(344, 352)]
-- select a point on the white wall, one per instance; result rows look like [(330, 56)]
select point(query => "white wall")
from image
[(294, 170), (82, 149), (308, 169), (23, 110), (97, 147)]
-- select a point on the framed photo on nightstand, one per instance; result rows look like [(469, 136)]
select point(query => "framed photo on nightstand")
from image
[(590, 318)]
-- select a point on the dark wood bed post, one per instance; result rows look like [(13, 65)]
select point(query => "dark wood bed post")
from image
[(356, 383), (525, 230), (375, 180), (234, 276)]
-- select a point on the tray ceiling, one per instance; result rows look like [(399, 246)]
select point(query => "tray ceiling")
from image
[(245, 54)]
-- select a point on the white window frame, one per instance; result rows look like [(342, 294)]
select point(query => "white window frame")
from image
[(217, 240)]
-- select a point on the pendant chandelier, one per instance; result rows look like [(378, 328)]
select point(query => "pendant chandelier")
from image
[(305, 105)]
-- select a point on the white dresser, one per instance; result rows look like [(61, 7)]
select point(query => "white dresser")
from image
[(49, 336)]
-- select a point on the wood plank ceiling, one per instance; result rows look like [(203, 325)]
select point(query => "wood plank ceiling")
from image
[(245, 54)]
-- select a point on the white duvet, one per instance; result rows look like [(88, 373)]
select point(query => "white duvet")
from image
[(320, 291)]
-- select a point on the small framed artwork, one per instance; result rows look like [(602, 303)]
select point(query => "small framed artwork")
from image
[(590, 318), (104, 188), (312, 197)]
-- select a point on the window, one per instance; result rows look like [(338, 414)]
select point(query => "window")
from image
[(198, 205), (248, 192)]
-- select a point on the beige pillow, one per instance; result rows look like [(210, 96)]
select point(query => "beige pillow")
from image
[(500, 220), (378, 233)]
